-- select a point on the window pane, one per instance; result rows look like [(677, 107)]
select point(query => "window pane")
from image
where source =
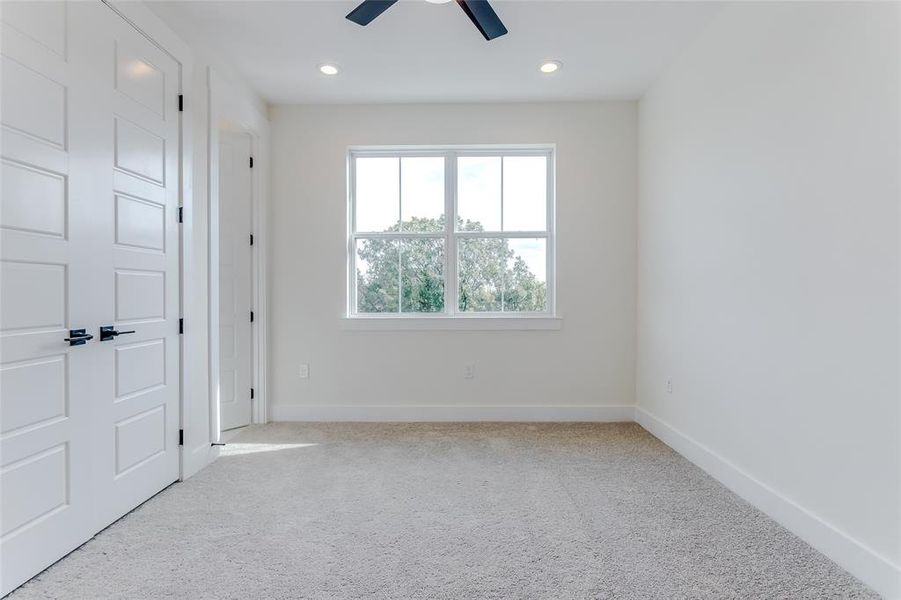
[(377, 194), (479, 193), (422, 193), (502, 275), (377, 276), (525, 193), (480, 267), (525, 288), (422, 275)]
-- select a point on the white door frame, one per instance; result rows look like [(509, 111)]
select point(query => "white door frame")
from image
[(196, 452), (224, 112)]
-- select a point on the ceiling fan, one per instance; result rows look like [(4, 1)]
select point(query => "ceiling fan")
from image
[(479, 11)]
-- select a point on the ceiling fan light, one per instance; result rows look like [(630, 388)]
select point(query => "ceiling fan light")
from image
[(550, 66)]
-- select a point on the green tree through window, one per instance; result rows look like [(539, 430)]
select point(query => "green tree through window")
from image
[(407, 275)]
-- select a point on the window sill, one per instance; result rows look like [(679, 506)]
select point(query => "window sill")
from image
[(451, 323)]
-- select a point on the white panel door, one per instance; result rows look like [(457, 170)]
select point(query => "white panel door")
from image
[(138, 392), (88, 237), (46, 280), (235, 214)]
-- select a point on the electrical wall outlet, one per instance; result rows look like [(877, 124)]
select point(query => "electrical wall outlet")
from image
[(469, 371), (669, 386), (304, 371)]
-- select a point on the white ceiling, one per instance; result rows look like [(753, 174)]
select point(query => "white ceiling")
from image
[(422, 52)]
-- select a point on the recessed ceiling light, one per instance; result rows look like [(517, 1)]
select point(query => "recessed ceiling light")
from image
[(550, 66), (328, 69)]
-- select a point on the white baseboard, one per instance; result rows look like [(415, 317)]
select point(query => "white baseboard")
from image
[(870, 567), (300, 412)]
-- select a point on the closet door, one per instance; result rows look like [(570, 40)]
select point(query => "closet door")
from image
[(90, 176), (47, 283), (137, 404)]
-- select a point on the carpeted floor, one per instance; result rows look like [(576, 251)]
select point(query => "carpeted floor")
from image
[(445, 511)]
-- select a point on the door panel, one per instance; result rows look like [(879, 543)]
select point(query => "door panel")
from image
[(40, 482), (140, 367), (140, 438), (140, 223), (140, 295), (34, 200), (33, 104), (235, 194), (45, 384), (139, 79), (43, 22), (33, 296), (138, 395), (140, 152)]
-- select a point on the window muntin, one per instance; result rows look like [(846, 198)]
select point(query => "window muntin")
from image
[(493, 258)]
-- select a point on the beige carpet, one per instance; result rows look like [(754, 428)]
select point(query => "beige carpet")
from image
[(445, 511)]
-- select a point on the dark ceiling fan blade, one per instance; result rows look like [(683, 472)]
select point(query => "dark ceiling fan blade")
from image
[(483, 17), (368, 10)]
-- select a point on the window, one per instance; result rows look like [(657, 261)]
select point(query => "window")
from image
[(451, 232)]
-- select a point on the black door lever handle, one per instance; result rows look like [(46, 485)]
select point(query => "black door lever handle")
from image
[(107, 333), (77, 337)]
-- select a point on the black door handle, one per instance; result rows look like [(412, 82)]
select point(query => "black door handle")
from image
[(77, 337), (107, 333)]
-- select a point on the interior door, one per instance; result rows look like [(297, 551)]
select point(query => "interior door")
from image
[(138, 395), (235, 193), (45, 287), (88, 237)]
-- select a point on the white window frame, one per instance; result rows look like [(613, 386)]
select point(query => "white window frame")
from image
[(467, 320)]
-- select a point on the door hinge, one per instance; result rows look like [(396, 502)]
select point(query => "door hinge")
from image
[(251, 316), (181, 103), (251, 162), (251, 239), (181, 214), (181, 437), (181, 326), (251, 393)]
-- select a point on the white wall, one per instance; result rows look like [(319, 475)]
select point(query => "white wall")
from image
[(769, 267), (589, 363), (221, 99), (237, 102)]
